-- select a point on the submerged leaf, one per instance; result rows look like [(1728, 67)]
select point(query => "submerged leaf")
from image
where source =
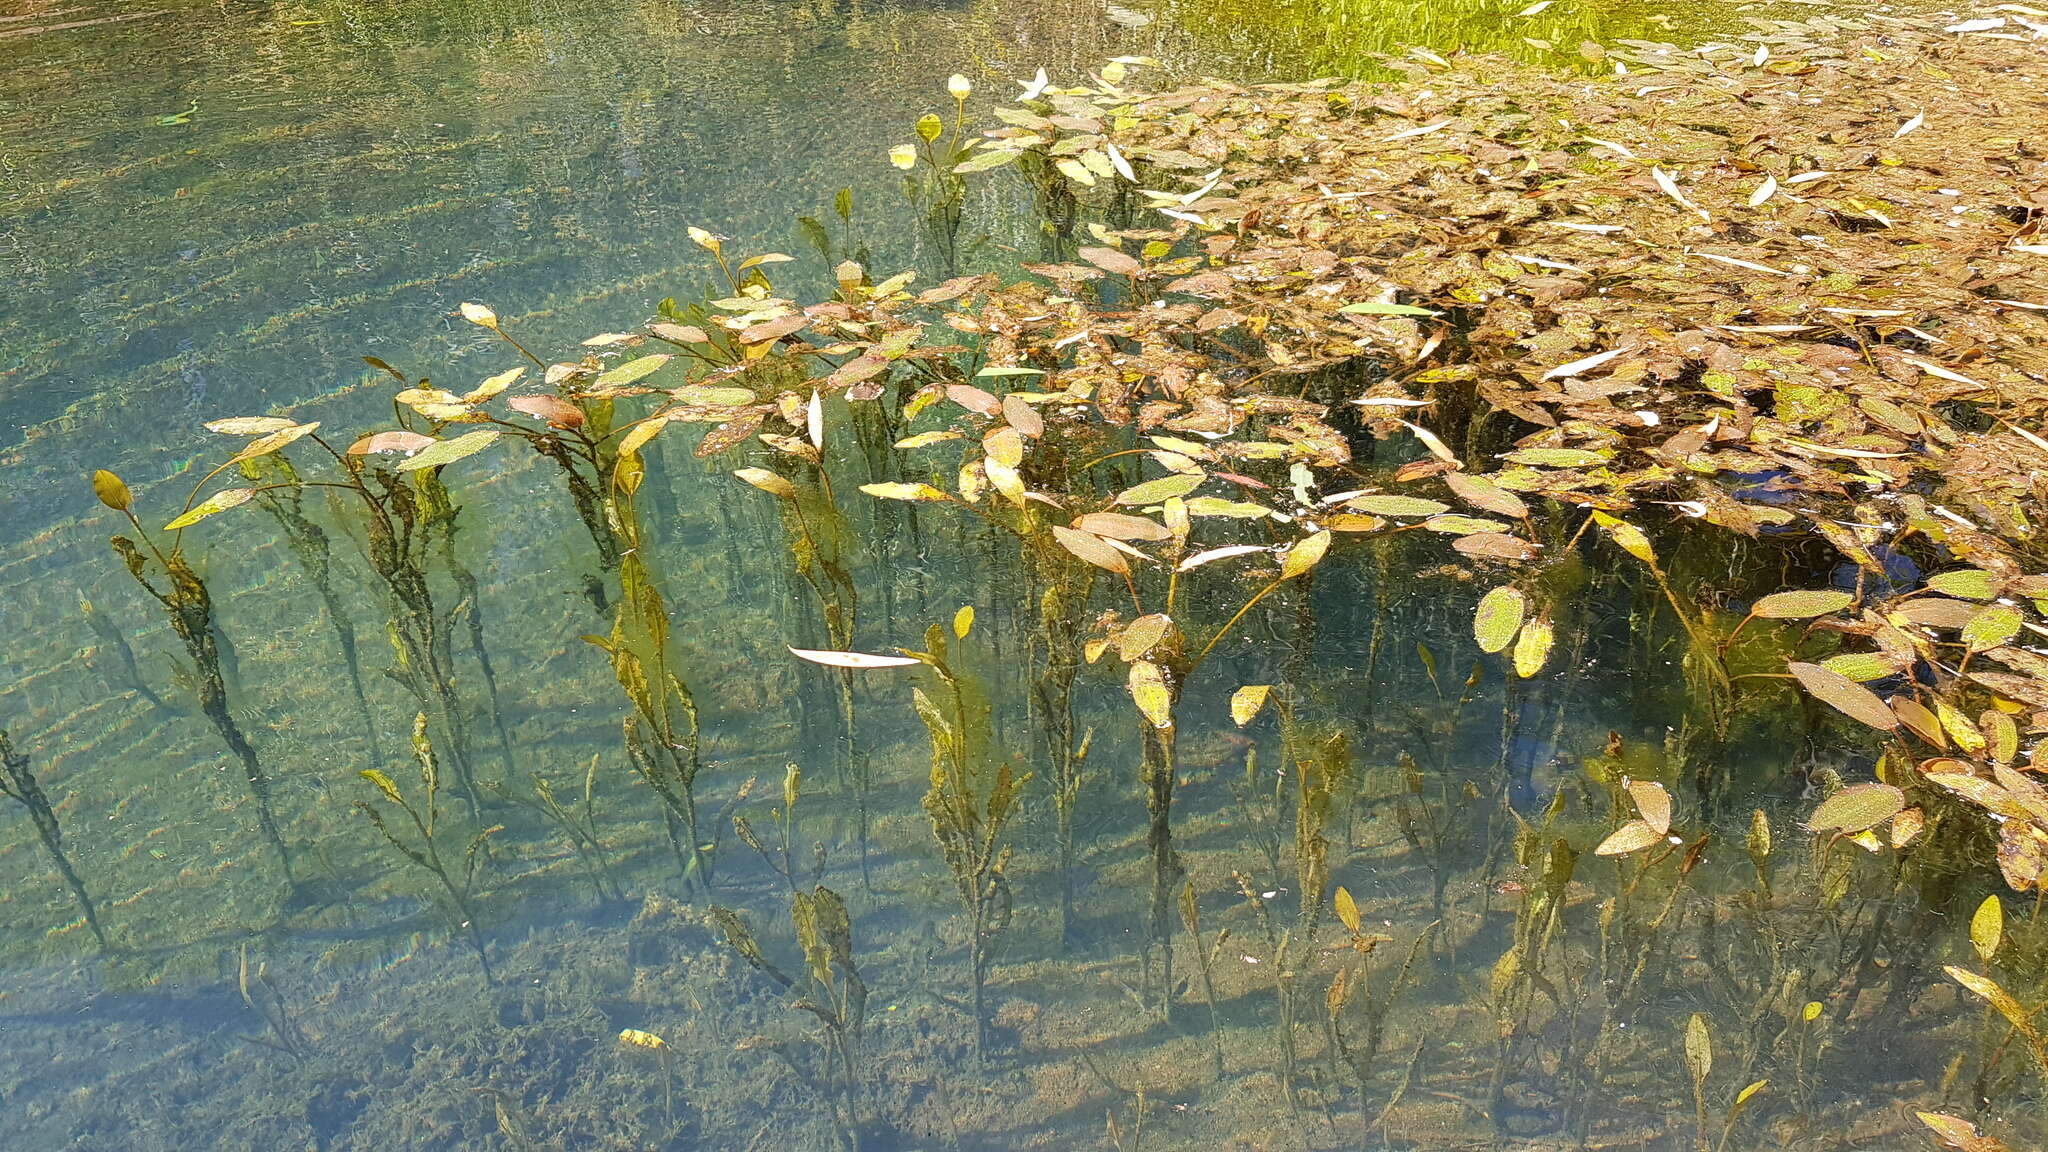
[(1532, 647), (1148, 690), (1246, 702)]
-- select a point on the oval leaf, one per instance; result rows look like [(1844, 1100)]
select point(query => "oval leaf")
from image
[(1801, 605), (449, 451), (1857, 807), (1498, 618), (1845, 695), (220, 501)]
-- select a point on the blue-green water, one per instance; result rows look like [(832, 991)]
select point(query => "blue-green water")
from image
[(215, 211)]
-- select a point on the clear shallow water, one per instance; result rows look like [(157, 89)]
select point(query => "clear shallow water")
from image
[(216, 210)]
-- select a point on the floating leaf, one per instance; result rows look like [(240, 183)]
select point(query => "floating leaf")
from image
[(1091, 548), (1153, 491), (927, 439), (1111, 260), (904, 492), (220, 501), (1456, 525), (382, 442), (250, 425), (1968, 583), (963, 621), (1246, 702), (559, 413), (632, 371), (1381, 308), (1629, 537), (852, 659), (480, 316), (1557, 458), (1009, 370), (1992, 627), (1485, 495), (1801, 605), (1847, 696), (1390, 505), (449, 451), (1224, 553), (1532, 647), (1857, 807), (1217, 506), (1498, 618), (1306, 553), (1119, 526), (1987, 928), (1148, 690)]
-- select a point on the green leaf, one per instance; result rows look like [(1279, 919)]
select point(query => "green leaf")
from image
[(1164, 488), (1968, 583), (1845, 695), (449, 451), (983, 161), (220, 501), (1391, 505), (1217, 506), (1801, 605), (1498, 618), (1557, 458), (1378, 308), (1857, 807), (632, 370), (1992, 627), (1987, 928), (1861, 667)]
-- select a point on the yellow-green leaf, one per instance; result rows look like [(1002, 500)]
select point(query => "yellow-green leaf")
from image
[(1699, 1048), (1149, 692), (383, 784), (1347, 912), (1801, 605), (1857, 807), (249, 425), (1630, 837), (1987, 928), (1628, 536), (1387, 504), (1246, 702), (1498, 618), (1306, 553), (1090, 547), (112, 491), (220, 501), (1845, 695), (904, 492), (768, 482), (1968, 583), (632, 370), (480, 316), (2014, 1012), (1532, 647), (963, 621), (1153, 491), (1991, 628), (449, 451)]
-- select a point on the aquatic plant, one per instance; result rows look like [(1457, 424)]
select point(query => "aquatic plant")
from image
[(833, 992), (282, 495), (651, 1042), (578, 824), (424, 846), (21, 785), (189, 607), (260, 995)]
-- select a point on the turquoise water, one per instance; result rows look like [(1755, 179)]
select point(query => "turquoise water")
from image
[(215, 211)]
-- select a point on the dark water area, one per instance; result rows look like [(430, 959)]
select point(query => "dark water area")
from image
[(213, 211)]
